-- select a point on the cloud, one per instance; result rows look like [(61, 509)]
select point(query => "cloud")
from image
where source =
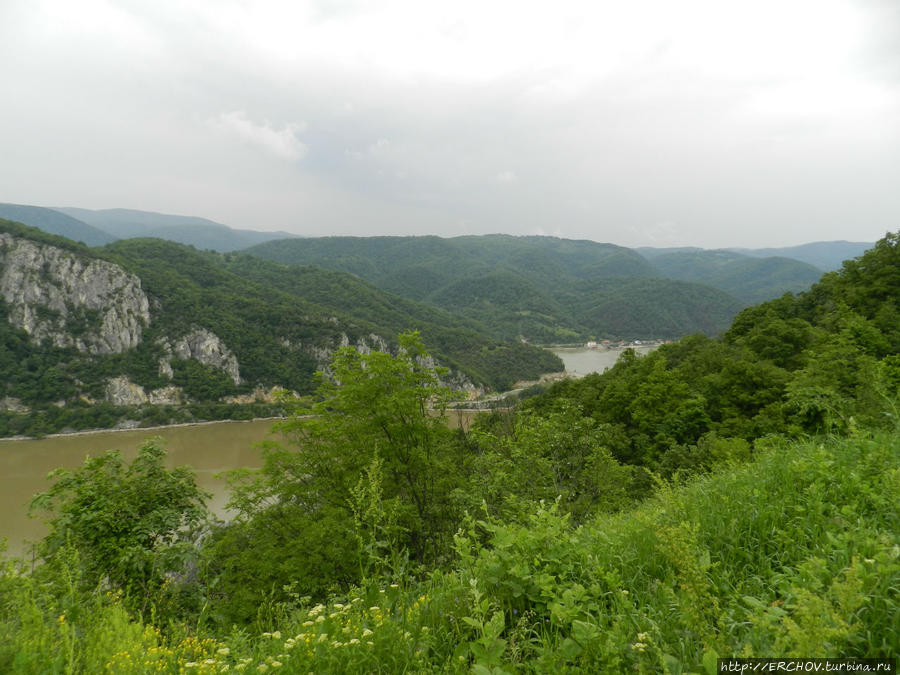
[(282, 143), (506, 177)]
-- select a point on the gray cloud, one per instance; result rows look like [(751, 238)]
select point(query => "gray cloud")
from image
[(636, 125)]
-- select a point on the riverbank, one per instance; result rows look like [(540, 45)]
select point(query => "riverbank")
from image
[(157, 427)]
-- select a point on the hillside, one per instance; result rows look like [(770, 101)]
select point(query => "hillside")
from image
[(201, 233), (55, 222), (150, 323), (542, 288), (750, 279)]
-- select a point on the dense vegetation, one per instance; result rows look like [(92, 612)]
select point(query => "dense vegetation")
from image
[(271, 317), (730, 497), (749, 279), (546, 289)]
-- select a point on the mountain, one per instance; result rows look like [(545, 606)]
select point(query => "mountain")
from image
[(198, 232), (749, 279), (545, 289), (55, 222), (160, 327), (826, 255)]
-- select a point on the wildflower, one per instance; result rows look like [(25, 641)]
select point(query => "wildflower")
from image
[(307, 624), (366, 633), (261, 668), (395, 586), (315, 611), (354, 641), (643, 637), (374, 609), (224, 651), (334, 615), (639, 646), (320, 618), (323, 637), (338, 605), (277, 664), (277, 635)]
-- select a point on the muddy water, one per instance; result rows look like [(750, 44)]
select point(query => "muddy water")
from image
[(206, 448), (580, 361)]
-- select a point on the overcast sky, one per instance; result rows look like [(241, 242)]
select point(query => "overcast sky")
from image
[(642, 122)]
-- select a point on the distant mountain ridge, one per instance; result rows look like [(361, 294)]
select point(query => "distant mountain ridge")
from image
[(827, 256), (198, 232), (53, 221)]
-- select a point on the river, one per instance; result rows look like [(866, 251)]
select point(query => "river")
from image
[(207, 448), (581, 361)]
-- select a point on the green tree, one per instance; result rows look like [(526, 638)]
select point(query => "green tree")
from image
[(371, 409), (132, 524)]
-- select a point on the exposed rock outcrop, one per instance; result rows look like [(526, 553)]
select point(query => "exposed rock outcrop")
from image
[(72, 301), (203, 346), (11, 404), (122, 391)]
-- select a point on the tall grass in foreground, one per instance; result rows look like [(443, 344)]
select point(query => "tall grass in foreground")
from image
[(795, 554)]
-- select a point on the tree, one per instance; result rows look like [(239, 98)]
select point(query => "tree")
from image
[(370, 409), (131, 524)]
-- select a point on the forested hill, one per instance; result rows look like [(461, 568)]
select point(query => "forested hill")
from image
[(750, 279), (146, 322), (543, 288)]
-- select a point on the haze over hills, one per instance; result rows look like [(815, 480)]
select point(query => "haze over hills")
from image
[(56, 222), (826, 255), (199, 232)]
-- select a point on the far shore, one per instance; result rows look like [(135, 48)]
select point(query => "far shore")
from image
[(518, 387), (113, 430)]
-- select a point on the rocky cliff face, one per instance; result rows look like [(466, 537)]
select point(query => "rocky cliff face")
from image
[(204, 346), (52, 294)]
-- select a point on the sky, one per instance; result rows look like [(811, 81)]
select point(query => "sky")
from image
[(711, 123)]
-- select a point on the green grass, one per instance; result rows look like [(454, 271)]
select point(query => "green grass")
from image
[(794, 554)]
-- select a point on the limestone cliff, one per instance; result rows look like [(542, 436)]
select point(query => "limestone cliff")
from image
[(204, 346), (69, 300)]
